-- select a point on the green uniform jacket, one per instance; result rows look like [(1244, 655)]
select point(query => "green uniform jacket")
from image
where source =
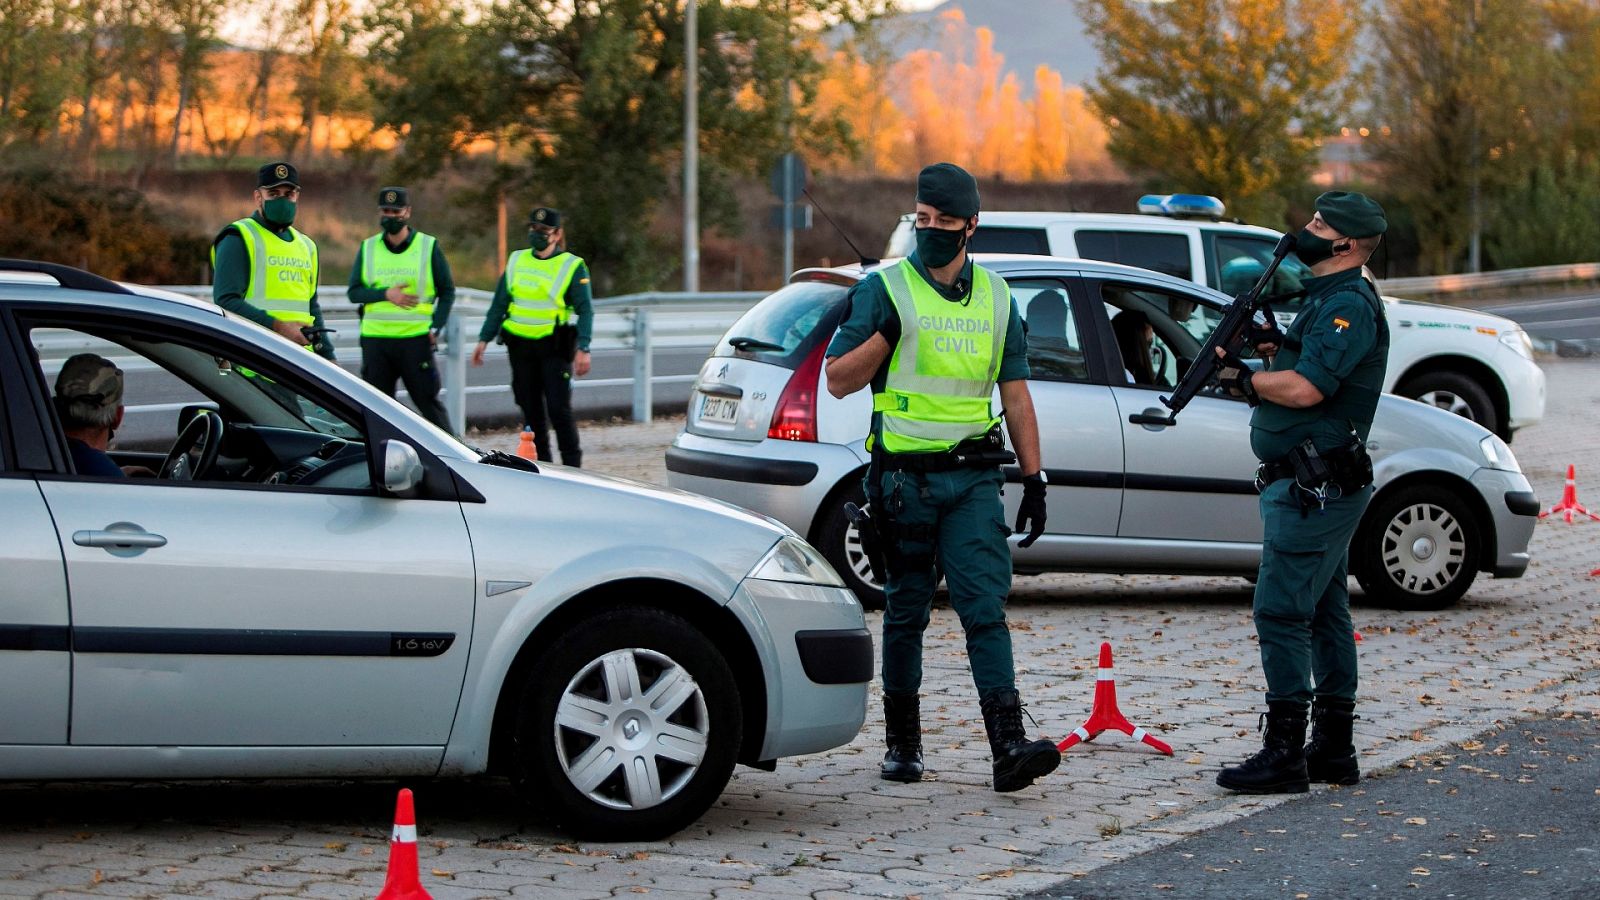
[(444, 285), (1339, 343), (578, 297), (231, 281)]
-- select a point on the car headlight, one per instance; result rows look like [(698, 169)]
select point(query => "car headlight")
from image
[(1518, 341), (1498, 454), (796, 561)]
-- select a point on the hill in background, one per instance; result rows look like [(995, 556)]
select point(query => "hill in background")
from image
[(1030, 34)]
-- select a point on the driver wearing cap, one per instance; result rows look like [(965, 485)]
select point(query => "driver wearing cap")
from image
[(89, 401)]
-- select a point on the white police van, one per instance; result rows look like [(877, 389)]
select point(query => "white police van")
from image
[(1474, 364)]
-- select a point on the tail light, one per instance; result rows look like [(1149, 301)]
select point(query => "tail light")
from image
[(795, 417)]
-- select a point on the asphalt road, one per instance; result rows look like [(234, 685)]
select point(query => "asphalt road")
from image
[(154, 397), (1571, 319), (1510, 813)]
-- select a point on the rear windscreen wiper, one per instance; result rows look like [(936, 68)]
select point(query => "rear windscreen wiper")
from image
[(750, 343)]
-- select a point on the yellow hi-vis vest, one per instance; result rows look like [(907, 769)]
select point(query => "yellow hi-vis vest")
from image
[(538, 289), (943, 371), (412, 269), (282, 273)]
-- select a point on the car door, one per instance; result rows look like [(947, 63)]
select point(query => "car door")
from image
[(35, 665), (1193, 481), (237, 612), (1079, 440)]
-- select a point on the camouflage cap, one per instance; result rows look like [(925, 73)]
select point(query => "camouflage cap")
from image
[(948, 188), (88, 384), (1352, 214)]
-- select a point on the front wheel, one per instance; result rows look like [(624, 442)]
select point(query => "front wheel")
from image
[(629, 727), (1456, 393), (1417, 548)]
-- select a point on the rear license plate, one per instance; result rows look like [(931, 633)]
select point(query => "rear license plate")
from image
[(719, 409)]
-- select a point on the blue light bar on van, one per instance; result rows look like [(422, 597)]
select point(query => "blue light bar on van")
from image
[(1197, 206)]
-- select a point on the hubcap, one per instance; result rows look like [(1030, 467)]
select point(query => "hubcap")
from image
[(1424, 548), (632, 729), (857, 557), (1449, 402)]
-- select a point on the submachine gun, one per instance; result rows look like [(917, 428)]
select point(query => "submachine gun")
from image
[(1231, 334)]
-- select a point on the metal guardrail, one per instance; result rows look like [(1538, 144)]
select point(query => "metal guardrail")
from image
[(1501, 279), (640, 323)]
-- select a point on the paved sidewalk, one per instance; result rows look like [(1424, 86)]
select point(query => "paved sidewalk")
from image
[(825, 826)]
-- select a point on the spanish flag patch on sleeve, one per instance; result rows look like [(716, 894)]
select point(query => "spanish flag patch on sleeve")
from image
[(1340, 324)]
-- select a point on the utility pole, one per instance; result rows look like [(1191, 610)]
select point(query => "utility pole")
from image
[(691, 149), (788, 156), (1475, 198)]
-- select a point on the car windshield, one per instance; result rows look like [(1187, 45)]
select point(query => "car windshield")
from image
[(783, 328)]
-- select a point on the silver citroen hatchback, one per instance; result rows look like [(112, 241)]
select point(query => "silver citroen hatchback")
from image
[(763, 432), (313, 581)]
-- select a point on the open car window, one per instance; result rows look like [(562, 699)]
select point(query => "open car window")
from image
[(272, 431)]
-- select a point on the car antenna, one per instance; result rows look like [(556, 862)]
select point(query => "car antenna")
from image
[(866, 261)]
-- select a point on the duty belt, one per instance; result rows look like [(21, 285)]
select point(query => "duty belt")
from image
[(974, 454)]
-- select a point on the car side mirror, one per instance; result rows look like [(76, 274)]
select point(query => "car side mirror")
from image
[(402, 468)]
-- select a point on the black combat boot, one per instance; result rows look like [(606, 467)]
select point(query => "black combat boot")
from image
[(902, 725), (1280, 766), (1017, 760), (1331, 752)]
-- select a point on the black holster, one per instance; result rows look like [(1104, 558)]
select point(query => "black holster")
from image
[(872, 540), (566, 336)]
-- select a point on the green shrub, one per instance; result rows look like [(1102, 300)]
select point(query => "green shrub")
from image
[(109, 230)]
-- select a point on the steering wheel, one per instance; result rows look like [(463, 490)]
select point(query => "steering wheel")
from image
[(195, 451), (1158, 360)]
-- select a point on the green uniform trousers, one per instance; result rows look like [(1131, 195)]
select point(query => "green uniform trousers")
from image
[(955, 519), (1302, 601)]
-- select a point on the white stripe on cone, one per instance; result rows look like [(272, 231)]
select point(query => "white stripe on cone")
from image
[(1106, 675), (404, 834)]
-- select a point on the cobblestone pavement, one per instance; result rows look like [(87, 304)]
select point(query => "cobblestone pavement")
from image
[(825, 826)]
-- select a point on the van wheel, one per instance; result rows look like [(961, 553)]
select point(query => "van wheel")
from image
[(628, 728), (840, 542), (1456, 393), (1417, 548)]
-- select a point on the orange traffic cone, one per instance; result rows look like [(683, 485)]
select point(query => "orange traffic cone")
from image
[(525, 448), (401, 882), (1104, 715), (1569, 500)]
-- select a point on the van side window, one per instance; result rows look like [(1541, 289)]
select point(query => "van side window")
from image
[(990, 239), (1166, 253), (1242, 259)]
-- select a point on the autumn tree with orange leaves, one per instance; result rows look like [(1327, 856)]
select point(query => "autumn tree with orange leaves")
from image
[(958, 103), (1223, 97)]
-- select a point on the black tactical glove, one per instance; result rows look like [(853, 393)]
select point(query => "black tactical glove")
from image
[(1268, 335), (1032, 509), (1234, 377)]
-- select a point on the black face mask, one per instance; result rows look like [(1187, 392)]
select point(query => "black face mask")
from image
[(393, 224), (538, 240), (938, 247), (1313, 249)]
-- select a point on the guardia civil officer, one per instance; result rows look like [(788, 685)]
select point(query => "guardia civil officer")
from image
[(541, 292), (404, 288), (932, 335), (264, 269), (1314, 407)]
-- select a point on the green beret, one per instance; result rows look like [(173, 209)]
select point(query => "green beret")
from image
[(948, 188), (1352, 214)]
